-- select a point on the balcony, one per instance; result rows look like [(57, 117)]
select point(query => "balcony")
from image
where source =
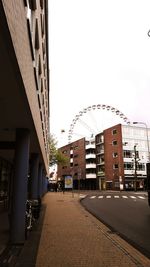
[(101, 173), (132, 172), (99, 142), (101, 163), (90, 146), (90, 156), (101, 151), (91, 166), (91, 176)]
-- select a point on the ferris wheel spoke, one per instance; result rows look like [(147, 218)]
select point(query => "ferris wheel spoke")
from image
[(87, 126), (94, 120), (77, 134)]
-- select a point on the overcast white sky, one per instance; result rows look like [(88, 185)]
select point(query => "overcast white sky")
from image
[(99, 54)]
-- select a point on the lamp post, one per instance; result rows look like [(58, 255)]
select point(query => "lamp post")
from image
[(79, 178), (72, 175), (121, 182), (135, 168), (143, 123)]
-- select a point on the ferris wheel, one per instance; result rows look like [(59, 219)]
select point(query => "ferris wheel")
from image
[(94, 119)]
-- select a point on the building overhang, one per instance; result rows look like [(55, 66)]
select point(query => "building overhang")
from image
[(15, 111)]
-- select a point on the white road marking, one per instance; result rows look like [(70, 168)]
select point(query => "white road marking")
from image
[(141, 197), (115, 196), (82, 196)]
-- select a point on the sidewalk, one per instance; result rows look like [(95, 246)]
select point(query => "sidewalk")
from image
[(71, 237)]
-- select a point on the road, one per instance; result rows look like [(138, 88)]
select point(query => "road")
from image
[(126, 213)]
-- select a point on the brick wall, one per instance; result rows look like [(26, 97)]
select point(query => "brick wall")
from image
[(75, 151), (110, 148)]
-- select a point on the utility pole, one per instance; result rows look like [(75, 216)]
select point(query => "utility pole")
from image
[(79, 178), (135, 168)]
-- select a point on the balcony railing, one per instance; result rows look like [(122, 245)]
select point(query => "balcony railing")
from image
[(90, 146), (91, 166), (90, 156), (101, 151), (91, 176), (100, 173)]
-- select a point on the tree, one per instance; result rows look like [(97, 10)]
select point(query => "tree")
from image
[(55, 155)]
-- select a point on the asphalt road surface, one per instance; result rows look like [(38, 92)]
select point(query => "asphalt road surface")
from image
[(126, 213)]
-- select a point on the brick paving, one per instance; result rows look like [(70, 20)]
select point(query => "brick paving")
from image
[(71, 237)]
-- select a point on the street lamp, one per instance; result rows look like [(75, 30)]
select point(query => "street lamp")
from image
[(135, 168), (138, 122), (120, 166)]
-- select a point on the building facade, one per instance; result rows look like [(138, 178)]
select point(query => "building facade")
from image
[(24, 107), (115, 159), (81, 164), (122, 153)]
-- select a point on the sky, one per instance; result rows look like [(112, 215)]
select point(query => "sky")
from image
[(99, 54)]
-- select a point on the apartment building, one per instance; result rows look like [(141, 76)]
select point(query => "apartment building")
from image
[(122, 153), (115, 159), (24, 107), (81, 164)]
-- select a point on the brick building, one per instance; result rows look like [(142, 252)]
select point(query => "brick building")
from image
[(115, 159), (81, 164), (122, 154), (24, 107)]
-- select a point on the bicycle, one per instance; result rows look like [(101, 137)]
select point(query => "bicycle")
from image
[(29, 215)]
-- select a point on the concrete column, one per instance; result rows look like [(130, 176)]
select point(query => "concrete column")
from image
[(40, 181), (18, 209), (34, 176), (43, 183)]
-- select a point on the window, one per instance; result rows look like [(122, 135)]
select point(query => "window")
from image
[(114, 131), (130, 154), (128, 166), (141, 166), (127, 153), (64, 152), (115, 154), (32, 4), (115, 166), (41, 4), (114, 142), (37, 42)]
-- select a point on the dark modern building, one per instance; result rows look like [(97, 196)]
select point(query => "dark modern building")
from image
[(24, 108)]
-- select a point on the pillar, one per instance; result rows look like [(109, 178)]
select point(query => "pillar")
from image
[(40, 181), (44, 183), (18, 208), (34, 176)]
